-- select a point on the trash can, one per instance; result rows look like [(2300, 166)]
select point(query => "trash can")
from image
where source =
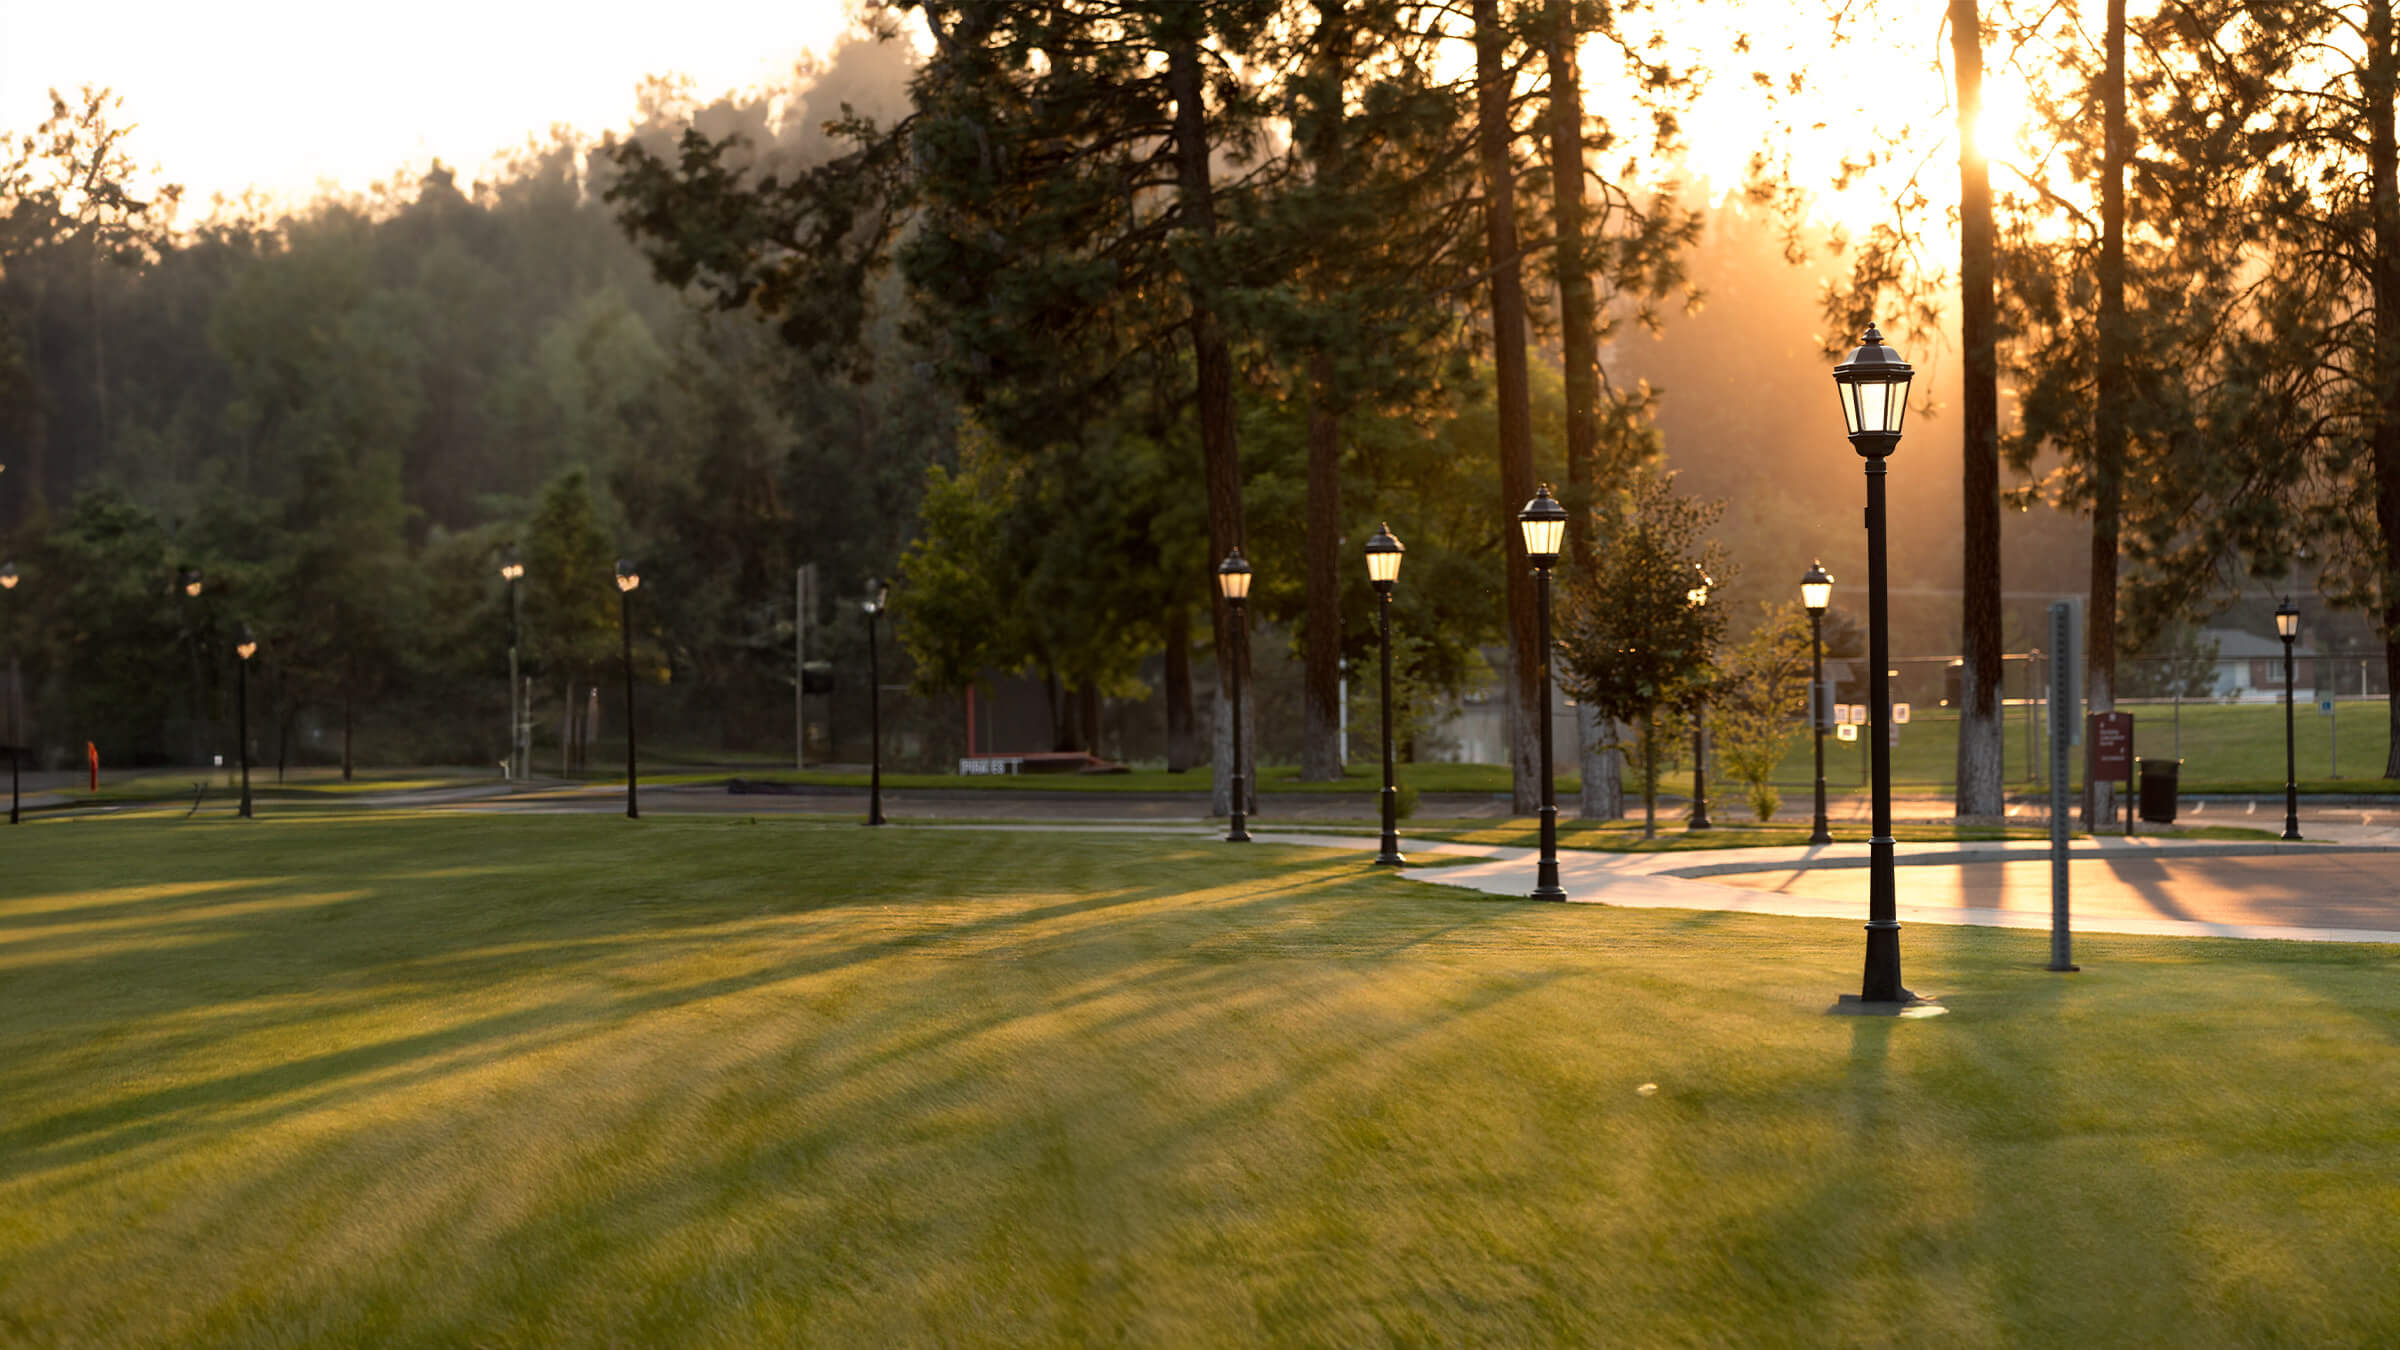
[(2158, 789)]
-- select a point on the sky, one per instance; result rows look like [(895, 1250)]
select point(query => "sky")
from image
[(290, 96), (287, 94)]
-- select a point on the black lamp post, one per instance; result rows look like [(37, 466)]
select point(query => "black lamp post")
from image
[(512, 571), (1873, 385), (1384, 550), (246, 648), (2287, 627), (878, 595), (1697, 597), (628, 578), (1816, 592), (8, 583), (1544, 523), (1233, 582), (187, 580)]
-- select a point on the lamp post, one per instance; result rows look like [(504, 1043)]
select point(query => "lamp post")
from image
[(1384, 550), (1233, 582), (1816, 592), (628, 578), (1873, 385), (2287, 627), (187, 580), (878, 594), (1697, 598), (16, 732), (512, 571), (246, 648), (1544, 523)]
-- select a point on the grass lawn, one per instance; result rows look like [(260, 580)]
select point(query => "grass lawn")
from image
[(2225, 747), (441, 1081)]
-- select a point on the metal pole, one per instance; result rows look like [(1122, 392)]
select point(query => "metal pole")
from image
[(1545, 879), (2062, 641), (1699, 763), (1882, 982), (241, 726), (1238, 832), (1390, 856), (633, 797), (1342, 712), (874, 726), (1823, 833), (516, 719), (2291, 775), (800, 668)]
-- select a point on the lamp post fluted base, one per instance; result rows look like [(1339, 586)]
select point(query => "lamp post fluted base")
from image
[(1390, 855), (1882, 982), (1545, 872)]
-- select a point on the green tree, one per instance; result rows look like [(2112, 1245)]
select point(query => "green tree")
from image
[(1760, 702), (1631, 639), (571, 598)]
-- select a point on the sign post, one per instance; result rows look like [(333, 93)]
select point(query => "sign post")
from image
[(2066, 662), (2112, 753)]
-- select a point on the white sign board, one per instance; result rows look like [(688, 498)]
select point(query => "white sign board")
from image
[(1847, 731), (1899, 714)]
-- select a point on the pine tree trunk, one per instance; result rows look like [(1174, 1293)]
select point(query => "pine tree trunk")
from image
[(1494, 83), (2384, 179), (1981, 749), (2108, 420), (1603, 786), (1053, 703), (1213, 366), (1321, 667), (1650, 774), (346, 701), (1087, 718), (1183, 749), (1602, 766), (1321, 578)]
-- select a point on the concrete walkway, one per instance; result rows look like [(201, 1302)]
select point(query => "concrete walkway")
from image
[(2311, 892)]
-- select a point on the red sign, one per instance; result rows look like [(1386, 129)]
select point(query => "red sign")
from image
[(2112, 745)]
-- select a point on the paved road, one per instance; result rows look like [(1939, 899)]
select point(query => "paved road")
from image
[(2324, 892), (2337, 892)]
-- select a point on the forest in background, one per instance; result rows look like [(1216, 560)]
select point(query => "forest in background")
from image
[(344, 416)]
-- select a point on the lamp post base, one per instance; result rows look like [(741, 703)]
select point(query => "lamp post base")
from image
[(1882, 983), (1907, 1005), (1239, 833), (1545, 872), (1390, 856)]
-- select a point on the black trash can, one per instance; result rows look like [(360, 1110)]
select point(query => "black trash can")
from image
[(2158, 789)]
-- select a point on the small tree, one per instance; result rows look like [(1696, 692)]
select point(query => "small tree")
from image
[(1632, 639), (1761, 701)]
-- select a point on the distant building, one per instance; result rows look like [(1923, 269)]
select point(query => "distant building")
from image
[(2250, 667)]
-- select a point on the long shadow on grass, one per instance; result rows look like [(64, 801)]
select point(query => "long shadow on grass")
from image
[(2060, 1143), (465, 961)]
